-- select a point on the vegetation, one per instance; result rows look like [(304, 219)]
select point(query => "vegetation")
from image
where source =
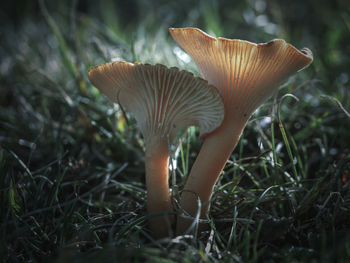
[(71, 163)]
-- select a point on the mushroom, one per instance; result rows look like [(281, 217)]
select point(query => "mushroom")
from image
[(245, 74), (163, 101)]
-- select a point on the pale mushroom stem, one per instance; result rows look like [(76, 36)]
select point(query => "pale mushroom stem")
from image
[(157, 183), (215, 151)]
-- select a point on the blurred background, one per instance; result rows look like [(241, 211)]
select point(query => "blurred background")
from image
[(321, 25)]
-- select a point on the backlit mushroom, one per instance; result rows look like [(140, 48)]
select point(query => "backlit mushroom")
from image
[(245, 74), (163, 101)]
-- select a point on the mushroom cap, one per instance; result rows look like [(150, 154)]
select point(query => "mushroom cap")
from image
[(245, 73), (162, 100)]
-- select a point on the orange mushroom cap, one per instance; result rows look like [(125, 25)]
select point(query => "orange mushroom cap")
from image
[(245, 73)]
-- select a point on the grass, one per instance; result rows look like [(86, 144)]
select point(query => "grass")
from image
[(71, 163)]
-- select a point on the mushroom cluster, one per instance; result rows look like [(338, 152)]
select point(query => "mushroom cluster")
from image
[(239, 77)]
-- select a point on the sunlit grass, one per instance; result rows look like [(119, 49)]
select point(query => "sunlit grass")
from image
[(72, 176)]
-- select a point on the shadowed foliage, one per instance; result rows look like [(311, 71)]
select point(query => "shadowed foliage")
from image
[(72, 184)]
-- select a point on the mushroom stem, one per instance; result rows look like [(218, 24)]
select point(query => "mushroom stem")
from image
[(215, 151), (157, 183)]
